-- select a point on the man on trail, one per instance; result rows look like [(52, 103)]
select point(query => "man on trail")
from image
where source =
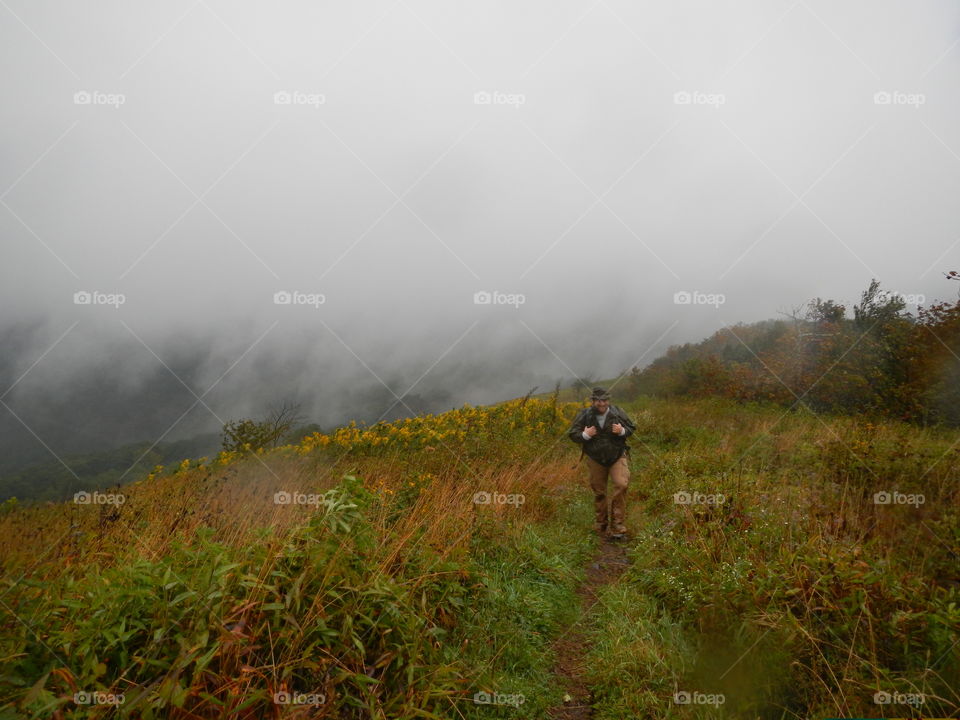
[(602, 430)]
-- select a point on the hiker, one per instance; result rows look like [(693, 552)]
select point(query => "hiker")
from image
[(602, 430)]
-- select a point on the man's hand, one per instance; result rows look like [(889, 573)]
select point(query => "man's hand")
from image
[(617, 428), (591, 431)]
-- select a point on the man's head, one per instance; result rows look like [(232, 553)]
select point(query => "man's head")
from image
[(600, 399)]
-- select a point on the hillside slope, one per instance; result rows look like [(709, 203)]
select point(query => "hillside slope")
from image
[(432, 568)]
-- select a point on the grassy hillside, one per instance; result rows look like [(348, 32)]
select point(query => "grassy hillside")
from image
[(415, 568)]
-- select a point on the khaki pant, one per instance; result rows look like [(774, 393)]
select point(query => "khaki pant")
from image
[(619, 474)]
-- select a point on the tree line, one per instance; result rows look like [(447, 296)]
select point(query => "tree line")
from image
[(885, 360)]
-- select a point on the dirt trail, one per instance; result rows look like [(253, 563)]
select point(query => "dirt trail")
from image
[(571, 647)]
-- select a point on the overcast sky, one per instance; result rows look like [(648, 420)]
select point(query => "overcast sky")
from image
[(384, 162)]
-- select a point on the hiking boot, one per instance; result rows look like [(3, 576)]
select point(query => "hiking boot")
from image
[(618, 534), (601, 530)]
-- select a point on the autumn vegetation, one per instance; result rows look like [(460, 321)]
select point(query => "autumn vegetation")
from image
[(383, 571), (886, 361)]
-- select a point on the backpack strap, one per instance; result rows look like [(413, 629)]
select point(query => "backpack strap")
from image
[(582, 451), (579, 459)]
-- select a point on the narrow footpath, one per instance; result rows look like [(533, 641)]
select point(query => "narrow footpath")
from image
[(571, 647)]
